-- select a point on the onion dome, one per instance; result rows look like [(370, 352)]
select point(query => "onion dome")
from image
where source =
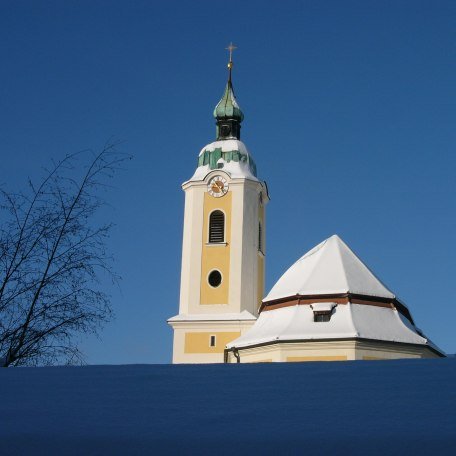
[(228, 107), (228, 153), (227, 113)]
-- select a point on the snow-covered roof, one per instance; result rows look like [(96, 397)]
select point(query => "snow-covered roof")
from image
[(323, 306), (347, 321), (229, 155), (226, 145), (329, 268)]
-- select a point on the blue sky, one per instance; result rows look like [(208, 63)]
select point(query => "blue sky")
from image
[(349, 113)]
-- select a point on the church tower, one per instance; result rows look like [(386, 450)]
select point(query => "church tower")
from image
[(223, 251)]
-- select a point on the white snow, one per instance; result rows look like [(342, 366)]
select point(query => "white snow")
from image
[(227, 145), (347, 321), (233, 168), (323, 306), (329, 268)]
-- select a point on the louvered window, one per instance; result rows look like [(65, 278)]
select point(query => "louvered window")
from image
[(216, 227)]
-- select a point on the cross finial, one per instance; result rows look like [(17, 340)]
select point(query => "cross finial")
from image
[(231, 47)]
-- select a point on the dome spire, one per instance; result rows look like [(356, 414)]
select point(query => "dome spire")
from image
[(231, 47), (227, 113)]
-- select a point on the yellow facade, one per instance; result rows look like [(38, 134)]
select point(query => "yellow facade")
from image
[(216, 256), (200, 342), (228, 310), (341, 350), (299, 359)]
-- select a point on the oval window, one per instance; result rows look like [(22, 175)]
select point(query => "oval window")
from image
[(215, 279)]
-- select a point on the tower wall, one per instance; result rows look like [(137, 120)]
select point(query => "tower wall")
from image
[(223, 313)]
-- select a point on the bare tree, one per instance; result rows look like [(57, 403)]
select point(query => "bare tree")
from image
[(51, 257)]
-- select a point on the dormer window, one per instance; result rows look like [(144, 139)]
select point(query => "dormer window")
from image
[(322, 311), (322, 316)]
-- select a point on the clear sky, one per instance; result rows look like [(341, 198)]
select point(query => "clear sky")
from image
[(349, 113)]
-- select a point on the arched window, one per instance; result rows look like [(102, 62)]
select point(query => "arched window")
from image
[(217, 227), (260, 237)]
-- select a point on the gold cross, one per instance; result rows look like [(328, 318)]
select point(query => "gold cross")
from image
[(231, 47)]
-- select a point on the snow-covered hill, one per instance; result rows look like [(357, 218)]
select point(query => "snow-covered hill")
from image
[(371, 407)]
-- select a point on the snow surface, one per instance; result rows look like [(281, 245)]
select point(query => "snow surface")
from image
[(227, 145), (347, 321), (340, 408), (236, 170), (323, 306), (329, 268), (233, 168)]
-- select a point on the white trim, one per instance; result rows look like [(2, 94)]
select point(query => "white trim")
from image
[(214, 172), (242, 316)]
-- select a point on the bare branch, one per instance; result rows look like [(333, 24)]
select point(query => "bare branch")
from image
[(50, 259)]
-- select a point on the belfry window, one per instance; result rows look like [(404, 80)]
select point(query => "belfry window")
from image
[(216, 227)]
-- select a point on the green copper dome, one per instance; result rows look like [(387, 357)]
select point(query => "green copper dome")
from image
[(227, 107)]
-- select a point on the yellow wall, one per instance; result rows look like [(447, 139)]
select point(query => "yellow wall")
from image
[(199, 342), (216, 256), (297, 359)]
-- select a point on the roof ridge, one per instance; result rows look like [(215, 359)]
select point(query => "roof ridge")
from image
[(366, 267), (338, 241), (330, 267)]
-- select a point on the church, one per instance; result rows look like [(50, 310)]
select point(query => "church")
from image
[(328, 306)]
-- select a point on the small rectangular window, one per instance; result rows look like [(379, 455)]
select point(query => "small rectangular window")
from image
[(322, 316), (212, 341)]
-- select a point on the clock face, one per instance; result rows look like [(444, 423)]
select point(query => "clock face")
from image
[(217, 187)]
